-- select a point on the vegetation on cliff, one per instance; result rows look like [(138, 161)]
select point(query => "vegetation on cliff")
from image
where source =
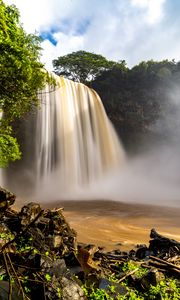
[(21, 75), (135, 99), (142, 102), (83, 66)]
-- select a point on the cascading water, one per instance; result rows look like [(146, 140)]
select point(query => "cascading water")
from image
[(70, 140)]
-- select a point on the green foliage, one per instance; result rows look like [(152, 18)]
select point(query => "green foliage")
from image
[(24, 244), (99, 294), (59, 293), (131, 266), (84, 66), (9, 148), (6, 236), (134, 100), (96, 294), (166, 291), (3, 277), (21, 75), (48, 277), (131, 295)]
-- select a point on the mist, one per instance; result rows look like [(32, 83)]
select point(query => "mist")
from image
[(150, 177)]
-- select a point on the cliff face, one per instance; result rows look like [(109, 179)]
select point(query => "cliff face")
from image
[(137, 100)]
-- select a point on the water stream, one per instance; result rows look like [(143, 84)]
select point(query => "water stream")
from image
[(71, 152), (68, 144)]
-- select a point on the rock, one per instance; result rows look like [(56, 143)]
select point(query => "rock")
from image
[(6, 199), (142, 252), (85, 258), (62, 285), (57, 268), (50, 231), (4, 291), (61, 237), (29, 212), (71, 290), (38, 239), (153, 277), (162, 244), (132, 253), (5, 234), (54, 241), (41, 248), (112, 288)]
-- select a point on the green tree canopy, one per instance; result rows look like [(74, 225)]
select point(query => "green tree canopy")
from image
[(21, 75), (84, 66), (138, 100)]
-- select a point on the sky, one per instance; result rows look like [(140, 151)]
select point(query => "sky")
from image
[(130, 30)]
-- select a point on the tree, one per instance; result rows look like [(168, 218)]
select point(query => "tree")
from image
[(84, 66), (21, 75), (138, 100)]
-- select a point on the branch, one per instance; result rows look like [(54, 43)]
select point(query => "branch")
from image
[(164, 262), (23, 231)]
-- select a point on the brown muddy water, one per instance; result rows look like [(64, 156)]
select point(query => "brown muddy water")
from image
[(118, 225)]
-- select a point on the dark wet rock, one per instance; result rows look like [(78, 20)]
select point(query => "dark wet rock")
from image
[(112, 288), (140, 246), (5, 234), (6, 199), (132, 253), (54, 241), (117, 252), (120, 275), (142, 252), (48, 230), (133, 280), (38, 239), (4, 291), (29, 212), (65, 288), (153, 277), (62, 285), (162, 244), (57, 232), (71, 290), (55, 267)]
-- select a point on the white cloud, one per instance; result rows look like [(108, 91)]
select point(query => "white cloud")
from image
[(34, 13), (153, 9), (65, 44), (133, 30)]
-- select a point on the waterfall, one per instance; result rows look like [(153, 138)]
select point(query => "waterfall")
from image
[(70, 139)]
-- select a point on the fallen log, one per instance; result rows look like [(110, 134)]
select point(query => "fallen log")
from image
[(164, 262)]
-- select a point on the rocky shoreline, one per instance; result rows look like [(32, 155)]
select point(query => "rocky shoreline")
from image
[(40, 258)]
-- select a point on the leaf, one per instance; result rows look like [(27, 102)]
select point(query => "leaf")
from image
[(86, 261)]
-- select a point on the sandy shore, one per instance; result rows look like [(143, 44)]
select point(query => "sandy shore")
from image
[(114, 224)]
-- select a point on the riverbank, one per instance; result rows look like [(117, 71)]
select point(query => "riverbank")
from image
[(41, 257), (110, 224)]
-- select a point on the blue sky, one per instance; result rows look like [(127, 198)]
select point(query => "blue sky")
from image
[(133, 30)]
